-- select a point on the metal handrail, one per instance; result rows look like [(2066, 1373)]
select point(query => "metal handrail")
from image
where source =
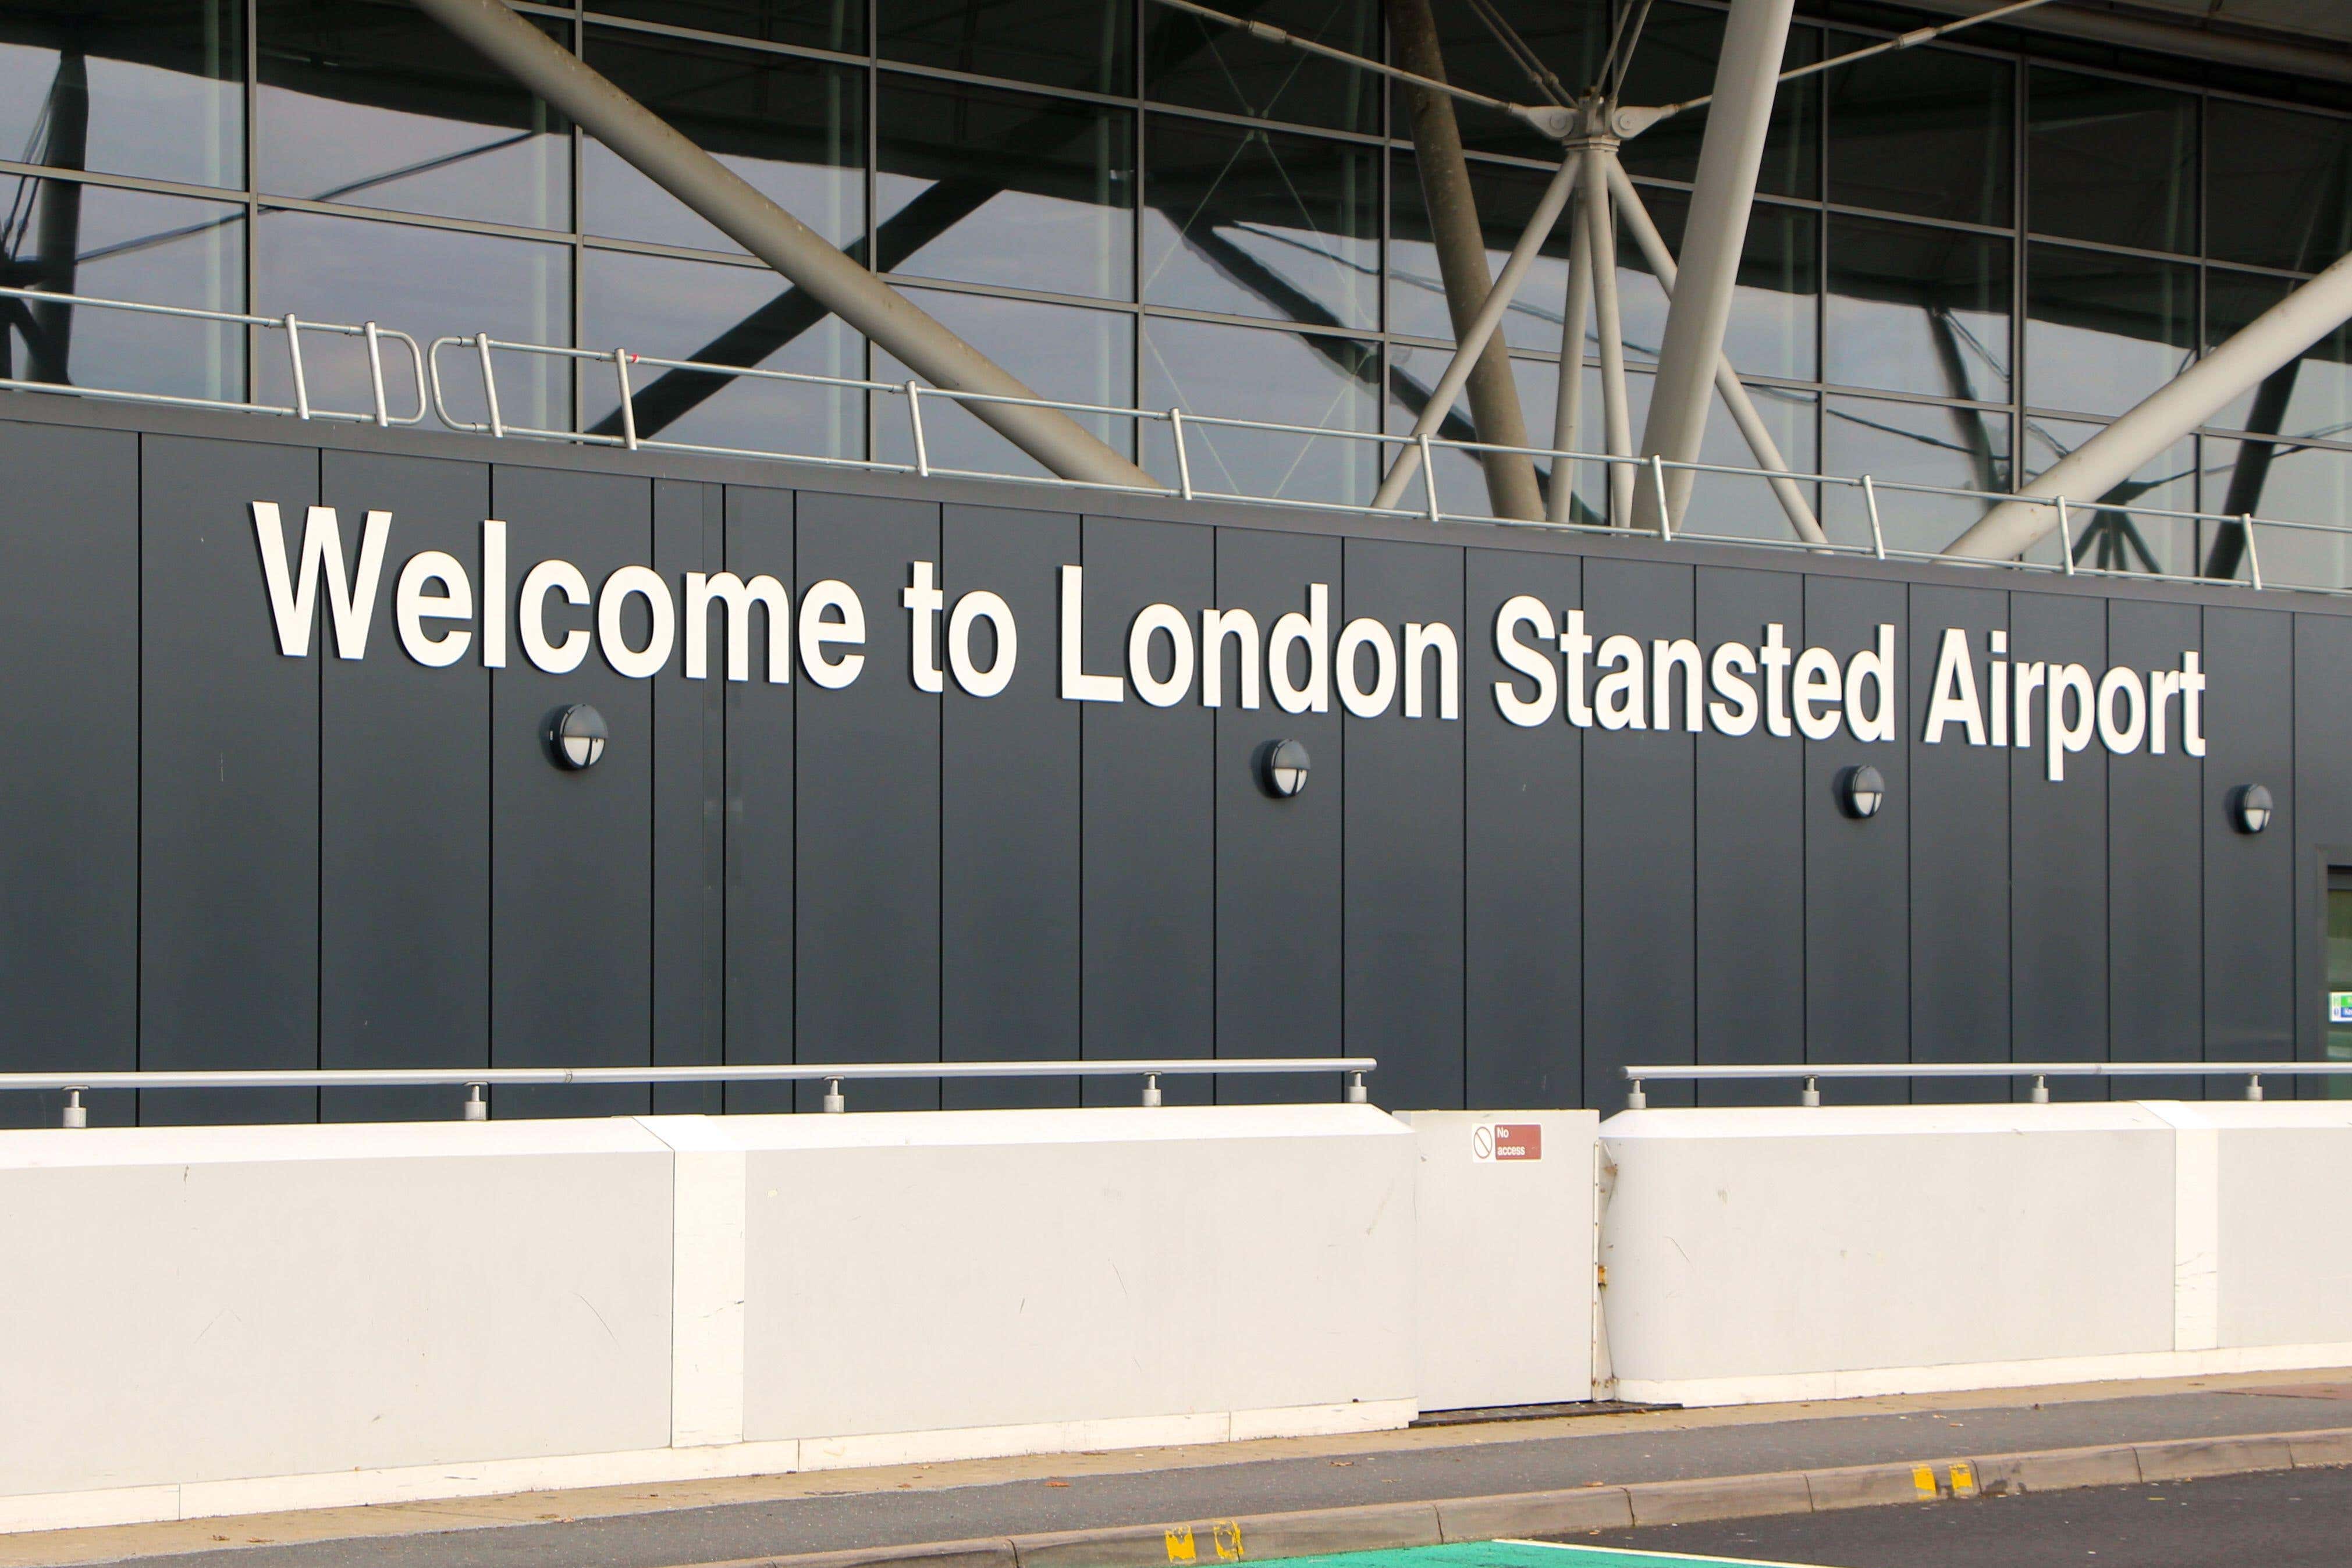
[(432, 396), (293, 326), (477, 1080), (1636, 1099)]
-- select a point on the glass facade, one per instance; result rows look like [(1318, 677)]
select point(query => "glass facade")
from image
[(1965, 256)]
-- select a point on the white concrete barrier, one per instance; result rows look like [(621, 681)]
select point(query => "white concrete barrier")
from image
[(1507, 1238), (207, 1320), (1766, 1254)]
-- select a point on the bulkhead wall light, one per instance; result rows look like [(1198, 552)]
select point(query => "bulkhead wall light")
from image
[(1281, 769), (576, 737), (2251, 807), (1861, 791)]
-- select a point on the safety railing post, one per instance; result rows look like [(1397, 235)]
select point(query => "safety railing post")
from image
[(1429, 478), (836, 1102), (2040, 1095), (76, 1113), (1357, 1093), (1636, 1098), (1877, 530), (1658, 481), (477, 1104), (375, 374), (915, 418), (294, 353), (1152, 1090), (629, 400), (489, 383), (1812, 1094), (2066, 538), (2254, 1086), (2253, 556), (1183, 458)]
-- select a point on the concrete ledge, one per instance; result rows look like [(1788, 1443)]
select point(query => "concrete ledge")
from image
[(1720, 1497), (1375, 1527), (2187, 1460), (2058, 1470), (1870, 1486), (996, 1553), (2314, 1450), (1535, 1513)]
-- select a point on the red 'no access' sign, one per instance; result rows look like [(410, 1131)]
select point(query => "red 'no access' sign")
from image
[(1508, 1141)]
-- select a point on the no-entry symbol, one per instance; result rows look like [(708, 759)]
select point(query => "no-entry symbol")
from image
[(1506, 1141)]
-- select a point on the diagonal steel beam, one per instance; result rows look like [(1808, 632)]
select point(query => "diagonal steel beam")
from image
[(2273, 341), (1747, 78), (730, 204)]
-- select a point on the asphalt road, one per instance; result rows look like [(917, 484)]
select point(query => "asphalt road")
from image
[(2289, 1519)]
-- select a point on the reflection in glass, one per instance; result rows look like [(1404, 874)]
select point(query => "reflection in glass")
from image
[(1199, 64), (369, 104), (1924, 130), (1775, 304), (1730, 506), (1919, 309), (1568, 35), (1257, 223), (427, 282), (74, 238), (1059, 42), (793, 128), (1241, 372), (2102, 330), (711, 311), (2310, 397), (1675, 62), (2278, 186), (2110, 161), (2106, 535), (1461, 476), (981, 186), (1910, 444), (1061, 351), (152, 88), (811, 24), (1506, 196), (2290, 483)]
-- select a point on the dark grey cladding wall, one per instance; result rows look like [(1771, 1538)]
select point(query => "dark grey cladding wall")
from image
[(220, 856)]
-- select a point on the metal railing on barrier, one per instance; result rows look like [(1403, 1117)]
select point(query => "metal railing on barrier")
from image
[(1812, 1074), (373, 336), (1184, 430), (479, 1081)]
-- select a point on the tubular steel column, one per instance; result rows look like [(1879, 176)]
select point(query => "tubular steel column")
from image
[(2276, 337), (1746, 76), (1460, 246), (1568, 408), (730, 204), (1616, 408)]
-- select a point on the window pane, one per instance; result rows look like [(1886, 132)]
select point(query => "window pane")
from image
[(2103, 331), (427, 283), (1240, 372), (1199, 64), (2276, 187), (1060, 43), (122, 245), (2291, 484), (1919, 309), (722, 315), (1776, 304), (1060, 351), (2111, 160), (369, 104), (1260, 224), (1461, 476), (1910, 444), (153, 87), (1506, 197), (1568, 35), (2312, 396), (794, 129), (1000, 187), (1675, 62), (812, 23), (1923, 130), (2116, 540), (1726, 505)]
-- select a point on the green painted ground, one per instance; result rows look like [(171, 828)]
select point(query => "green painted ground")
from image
[(1518, 1554)]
